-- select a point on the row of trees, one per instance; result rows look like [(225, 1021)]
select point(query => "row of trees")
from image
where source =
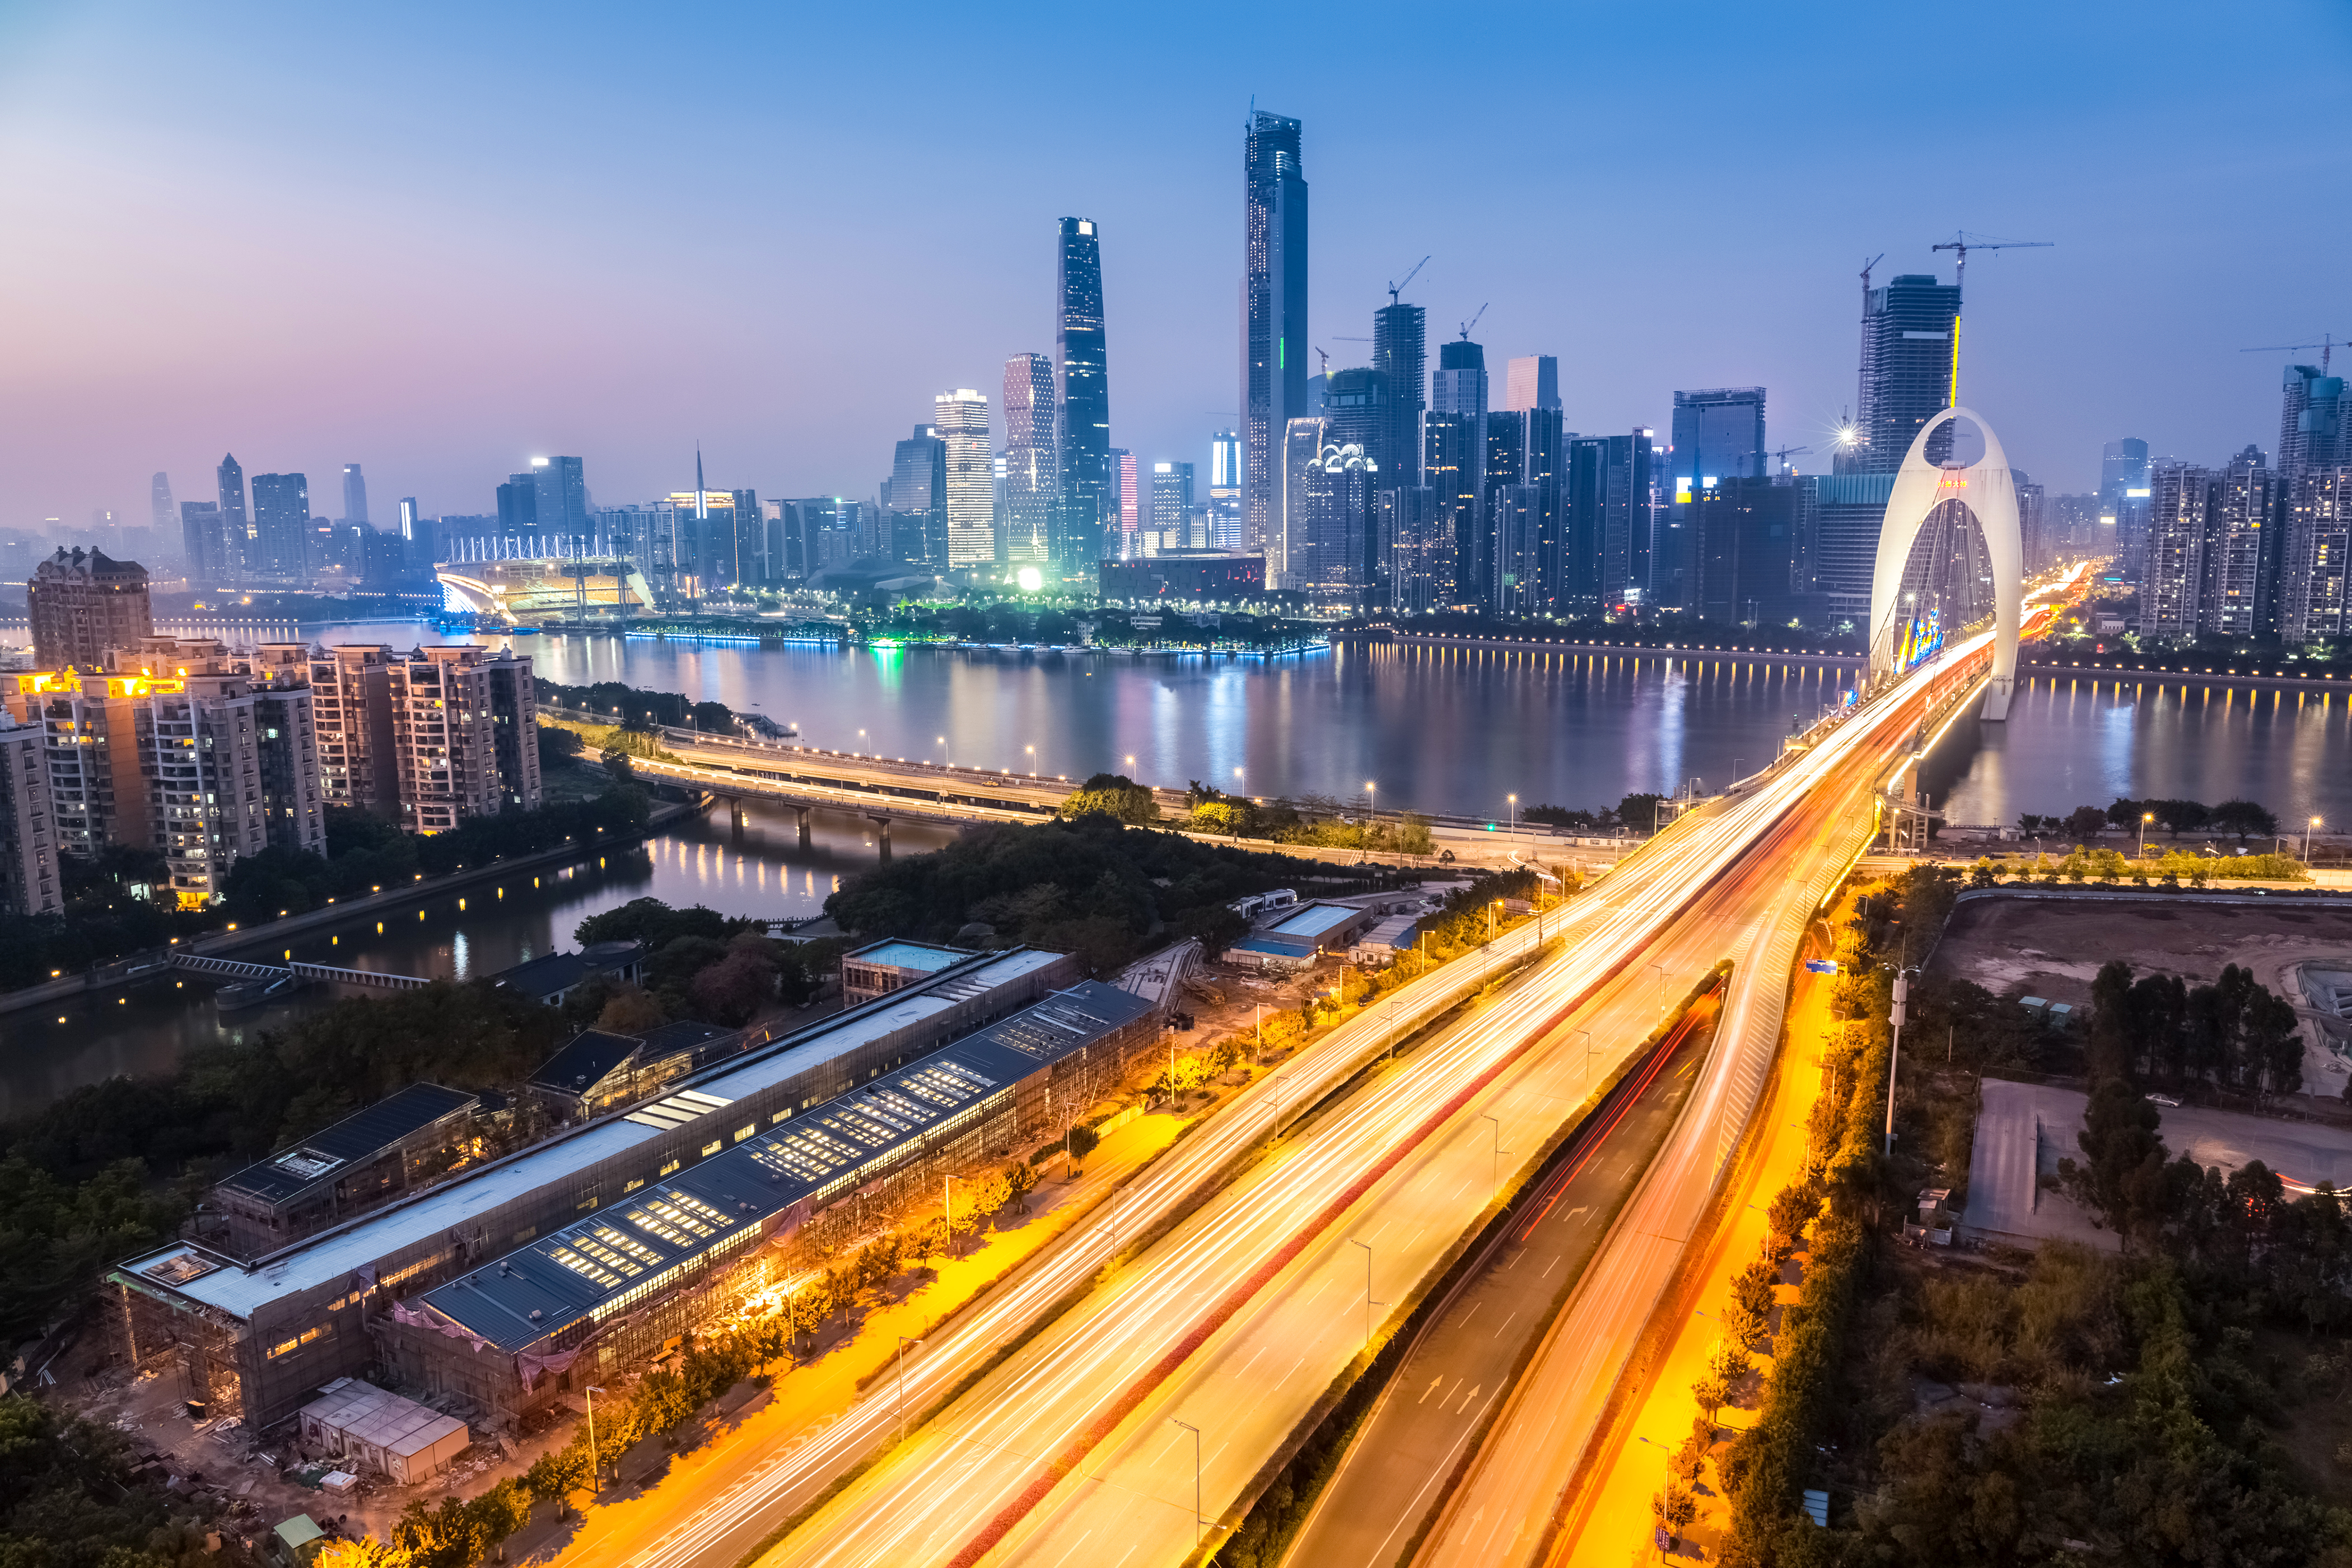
[(2170, 870), (2235, 1034), (632, 708), (1316, 819), (2242, 817), (71, 1497), (1637, 813)]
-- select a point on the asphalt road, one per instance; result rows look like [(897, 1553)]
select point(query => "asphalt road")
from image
[(1465, 1360)]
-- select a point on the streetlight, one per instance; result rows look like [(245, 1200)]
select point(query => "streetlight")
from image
[(903, 1343), (1368, 1302), (2306, 839), (1032, 760), (1514, 832), (944, 752), (1661, 981), (946, 1205), (1196, 1477), (1588, 1054), (1894, 1050), (595, 1480), (1498, 1152)]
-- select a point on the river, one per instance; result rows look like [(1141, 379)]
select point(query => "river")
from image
[(1457, 731)]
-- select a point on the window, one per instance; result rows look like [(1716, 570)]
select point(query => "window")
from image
[(743, 1133)]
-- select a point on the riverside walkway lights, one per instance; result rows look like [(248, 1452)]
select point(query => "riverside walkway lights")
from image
[(2145, 818), (2306, 839)]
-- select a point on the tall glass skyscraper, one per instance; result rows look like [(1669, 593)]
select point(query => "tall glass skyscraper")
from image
[(1082, 362), (962, 420), (1456, 448), (236, 529), (1032, 468), (1400, 348), (1906, 369), (1274, 313)]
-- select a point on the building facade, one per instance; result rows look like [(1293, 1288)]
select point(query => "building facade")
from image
[(960, 418), (1532, 381), (465, 725), (1032, 486), (31, 880), (282, 528), (83, 604), (1907, 370), (1274, 317), (1082, 370)]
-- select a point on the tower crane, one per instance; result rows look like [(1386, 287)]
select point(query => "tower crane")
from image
[(1960, 245), (1471, 323), (1781, 456), (2326, 345), (1398, 287)]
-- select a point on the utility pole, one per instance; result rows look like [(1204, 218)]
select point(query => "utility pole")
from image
[(1368, 1302), (1197, 1521), (1894, 1050)]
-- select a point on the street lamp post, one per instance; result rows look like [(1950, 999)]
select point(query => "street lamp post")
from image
[(1514, 834), (595, 1479), (2306, 839), (1588, 1054), (1894, 1051), (1662, 982), (1033, 761), (1196, 1477), (1498, 1153), (943, 754), (2145, 818), (947, 1208)]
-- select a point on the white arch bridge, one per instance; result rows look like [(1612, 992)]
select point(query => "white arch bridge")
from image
[(1977, 480)]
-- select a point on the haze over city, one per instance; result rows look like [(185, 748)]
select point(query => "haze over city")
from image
[(442, 242)]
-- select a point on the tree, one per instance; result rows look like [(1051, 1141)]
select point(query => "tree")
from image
[(2243, 817), (1673, 1507), (556, 1474), (2086, 823), (1639, 811), (2123, 1180), (1114, 795)]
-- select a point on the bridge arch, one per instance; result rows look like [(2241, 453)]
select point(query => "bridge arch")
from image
[(1983, 486)]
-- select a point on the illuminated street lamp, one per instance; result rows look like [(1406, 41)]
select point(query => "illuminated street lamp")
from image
[(1197, 1521), (1498, 1153), (2145, 818), (2306, 839), (596, 1481), (1032, 760), (903, 1343), (1368, 1302)]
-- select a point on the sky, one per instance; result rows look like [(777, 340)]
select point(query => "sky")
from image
[(439, 240)]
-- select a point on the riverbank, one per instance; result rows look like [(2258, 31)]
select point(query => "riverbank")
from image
[(226, 943)]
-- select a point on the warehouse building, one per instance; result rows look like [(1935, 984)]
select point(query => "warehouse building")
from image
[(607, 1293), (1303, 936), (259, 1337)]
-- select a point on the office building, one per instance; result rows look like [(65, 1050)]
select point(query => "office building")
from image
[(1532, 381), (1032, 485), (1359, 410), (1416, 555), (355, 494), (1399, 351), (826, 533), (1454, 457), (280, 548), (1225, 469), (1274, 315), (1631, 503), (918, 498), (1527, 476), (465, 735), (82, 603), (163, 512), (1840, 517), (1127, 503), (1907, 370), (259, 1337), (960, 418), (31, 882), (2124, 499), (204, 543), (236, 524), (2314, 599), (1171, 506), (1082, 371), (1743, 549), (1329, 529), (1718, 434)]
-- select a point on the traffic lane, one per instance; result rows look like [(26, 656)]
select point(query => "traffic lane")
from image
[(1389, 1481)]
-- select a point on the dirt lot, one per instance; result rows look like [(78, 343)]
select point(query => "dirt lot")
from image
[(2052, 947)]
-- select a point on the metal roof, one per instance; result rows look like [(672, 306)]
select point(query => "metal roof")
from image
[(379, 1418), (333, 1256), (1314, 920), (641, 1243), (897, 954), (582, 1061), (356, 1140)]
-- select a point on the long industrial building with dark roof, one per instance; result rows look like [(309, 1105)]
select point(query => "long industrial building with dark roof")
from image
[(259, 1336)]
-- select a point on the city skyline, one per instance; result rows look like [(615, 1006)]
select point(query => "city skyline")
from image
[(452, 356)]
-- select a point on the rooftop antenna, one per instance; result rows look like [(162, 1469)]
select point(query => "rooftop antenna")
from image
[(701, 507), (1397, 287), (1471, 323), (2326, 345), (1960, 244)]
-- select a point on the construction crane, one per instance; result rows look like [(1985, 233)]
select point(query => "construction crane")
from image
[(1398, 287), (1326, 358), (2326, 345), (1471, 323), (1960, 245), (1785, 453)]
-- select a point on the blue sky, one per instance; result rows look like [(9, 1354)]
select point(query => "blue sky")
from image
[(441, 240)]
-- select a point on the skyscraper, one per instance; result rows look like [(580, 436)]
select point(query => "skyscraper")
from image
[(2172, 571), (282, 526), (355, 494), (558, 489), (2315, 421), (917, 500), (236, 526), (1171, 504), (1532, 381), (203, 544), (1906, 369), (2124, 499), (1081, 355), (1127, 503), (962, 418), (1399, 351), (1033, 466), (1329, 506), (1274, 312), (2240, 566), (1718, 434), (1456, 449), (1225, 531), (2314, 506), (162, 514)]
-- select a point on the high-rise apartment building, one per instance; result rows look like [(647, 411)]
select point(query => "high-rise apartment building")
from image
[(1532, 381), (917, 499), (1359, 410), (1081, 356), (2314, 595), (2237, 595), (281, 527), (2172, 570), (1906, 369), (355, 494), (83, 604), (1839, 519), (1399, 351), (236, 525), (1274, 314), (1329, 515), (351, 707), (1225, 469), (31, 882), (961, 419), (2124, 497), (1455, 463), (465, 734), (1032, 466), (1527, 473)]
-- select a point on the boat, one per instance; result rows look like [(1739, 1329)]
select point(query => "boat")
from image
[(239, 995)]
